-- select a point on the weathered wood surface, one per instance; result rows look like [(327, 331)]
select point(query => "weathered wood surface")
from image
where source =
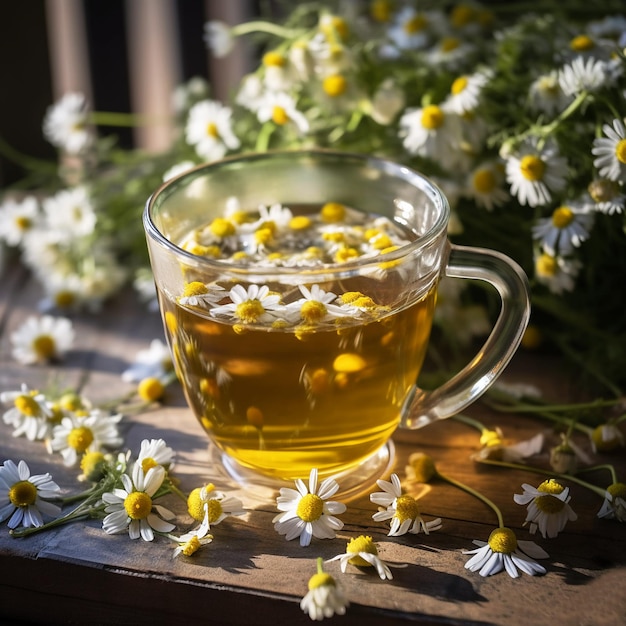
[(250, 574)]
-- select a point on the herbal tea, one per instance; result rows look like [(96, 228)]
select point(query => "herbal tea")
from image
[(287, 377)]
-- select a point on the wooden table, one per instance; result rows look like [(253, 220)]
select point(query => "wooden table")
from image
[(250, 574)]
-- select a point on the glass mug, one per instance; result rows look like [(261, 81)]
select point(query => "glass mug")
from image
[(297, 291)]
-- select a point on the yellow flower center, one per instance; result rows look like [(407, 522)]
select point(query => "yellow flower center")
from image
[(44, 346), (321, 579), (550, 486), (215, 509), (147, 464), (484, 181), (532, 338), (221, 227), (448, 44), (532, 168), (335, 25), (91, 465), (423, 467), (414, 25), (249, 311), (603, 190), (254, 415), (64, 299), (195, 504), (22, 493), (138, 505), (620, 151), (80, 438), (150, 389), (432, 117), (503, 540), (26, 405), (264, 235), (273, 59), (617, 490), (310, 508), (562, 217), (549, 504), (345, 254), (279, 116), (191, 546), (602, 442), (334, 85), (490, 438), (333, 212), (582, 43), (300, 222), (313, 311), (459, 85), (211, 130), (381, 10), (23, 222), (361, 543), (462, 15), (546, 265), (194, 288), (406, 508), (349, 363)]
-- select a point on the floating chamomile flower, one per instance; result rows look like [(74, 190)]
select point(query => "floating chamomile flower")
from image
[(249, 306), (324, 598), (361, 551), (23, 497), (317, 306), (30, 415), (548, 507), (611, 151), (216, 504), (66, 124), (566, 229), (307, 512), (17, 219), (614, 504), (43, 339), (77, 434), (131, 508), (209, 130), (401, 509), (503, 551), (191, 542)]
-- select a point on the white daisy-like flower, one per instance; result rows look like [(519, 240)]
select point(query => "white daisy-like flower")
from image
[(249, 306), (566, 229), (534, 172), (155, 362), (308, 512), (450, 52), (484, 185), (401, 509), (218, 38), (546, 95), (361, 551), (413, 30), (316, 306), (324, 598), (548, 507), (432, 133), (504, 551), (70, 214), (251, 92), (209, 130), (66, 124), (583, 74), (30, 415), (132, 507), (614, 504), (280, 108), (42, 339), (208, 500), (557, 273), (565, 456), (466, 91), (177, 169), (494, 447), (64, 292), (196, 293), (17, 219), (191, 542), (23, 497), (155, 452), (607, 437), (76, 435), (611, 151)]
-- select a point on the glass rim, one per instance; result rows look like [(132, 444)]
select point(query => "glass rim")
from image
[(388, 166)]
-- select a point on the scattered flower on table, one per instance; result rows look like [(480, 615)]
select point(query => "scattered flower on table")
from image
[(607, 437), (361, 551), (503, 551), (18, 218), (565, 456), (548, 507), (155, 362), (218, 504), (421, 468), (132, 508), (324, 598), (402, 509), (191, 542), (614, 504), (308, 512), (30, 414), (43, 339), (494, 446), (155, 452), (23, 497)]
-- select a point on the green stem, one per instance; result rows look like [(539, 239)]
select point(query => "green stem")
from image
[(80, 512), (110, 118), (259, 26), (476, 494)]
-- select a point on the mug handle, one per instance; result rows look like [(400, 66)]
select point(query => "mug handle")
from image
[(424, 407)]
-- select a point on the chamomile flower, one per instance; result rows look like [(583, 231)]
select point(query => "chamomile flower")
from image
[(556, 272), (535, 172), (583, 74), (308, 512), (218, 38), (280, 108), (607, 437), (70, 214), (548, 507), (42, 339), (216, 504), (132, 508), (154, 362), (17, 219), (324, 598), (484, 185), (614, 504), (421, 468), (30, 415), (465, 92), (249, 306), (611, 151), (76, 435), (209, 130), (361, 551), (546, 95), (503, 551), (23, 497), (413, 30), (607, 196), (191, 542), (66, 124), (155, 452), (495, 447), (566, 229), (402, 509), (317, 306)]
